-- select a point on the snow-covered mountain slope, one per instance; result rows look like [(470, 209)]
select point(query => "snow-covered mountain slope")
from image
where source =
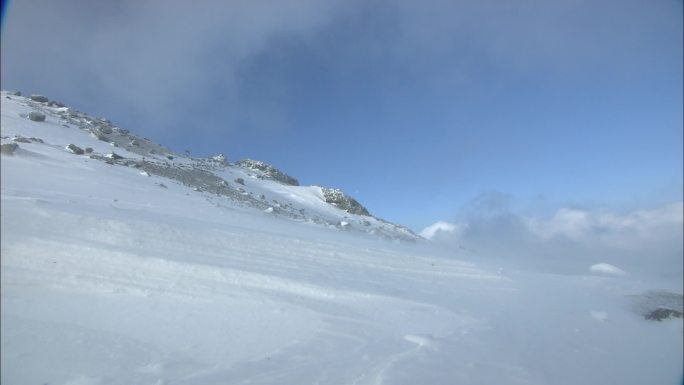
[(246, 183), (120, 272)]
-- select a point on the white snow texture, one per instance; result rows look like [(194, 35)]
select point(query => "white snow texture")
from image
[(113, 276)]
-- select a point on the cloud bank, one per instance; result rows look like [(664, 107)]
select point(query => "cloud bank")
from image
[(144, 61), (571, 240), (150, 59)]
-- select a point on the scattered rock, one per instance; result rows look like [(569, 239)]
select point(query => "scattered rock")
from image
[(135, 142), (240, 181), (21, 139), (169, 157), (55, 103), (37, 140), (88, 150), (39, 98), (9, 148), (74, 149), (162, 185), (113, 156), (36, 116)]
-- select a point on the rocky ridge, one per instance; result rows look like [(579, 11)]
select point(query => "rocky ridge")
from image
[(244, 183)]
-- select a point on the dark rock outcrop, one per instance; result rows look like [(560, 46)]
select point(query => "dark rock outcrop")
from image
[(342, 201), (268, 172), (39, 98), (662, 313)]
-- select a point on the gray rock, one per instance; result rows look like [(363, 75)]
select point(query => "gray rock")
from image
[(134, 142), (9, 148), (113, 156), (36, 116), (337, 198), (105, 129), (661, 313), (88, 150), (39, 98), (659, 305), (74, 149), (17, 93), (37, 140), (21, 139), (240, 181), (269, 172)]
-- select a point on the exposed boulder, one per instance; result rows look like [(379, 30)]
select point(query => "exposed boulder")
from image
[(342, 201), (9, 148), (88, 150), (39, 98), (268, 171), (74, 149), (113, 156), (17, 93), (36, 116), (240, 181)]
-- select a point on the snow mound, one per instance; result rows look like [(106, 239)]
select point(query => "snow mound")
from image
[(607, 269)]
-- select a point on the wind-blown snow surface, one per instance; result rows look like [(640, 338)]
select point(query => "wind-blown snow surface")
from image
[(108, 278)]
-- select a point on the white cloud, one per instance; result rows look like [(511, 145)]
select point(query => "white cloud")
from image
[(643, 241), (440, 226), (626, 230)]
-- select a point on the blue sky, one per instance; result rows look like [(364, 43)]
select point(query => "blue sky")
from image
[(417, 109)]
